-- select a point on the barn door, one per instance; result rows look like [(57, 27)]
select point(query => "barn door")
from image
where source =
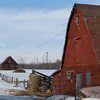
[(78, 83), (88, 78)]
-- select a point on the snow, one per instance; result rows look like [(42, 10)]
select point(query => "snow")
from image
[(22, 76), (91, 99), (70, 98), (4, 86), (61, 97), (46, 72), (4, 91)]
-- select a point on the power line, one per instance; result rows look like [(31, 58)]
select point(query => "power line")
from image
[(41, 44)]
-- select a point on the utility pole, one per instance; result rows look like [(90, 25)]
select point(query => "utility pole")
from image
[(37, 61), (43, 60), (47, 58)]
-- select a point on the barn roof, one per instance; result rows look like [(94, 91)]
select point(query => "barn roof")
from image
[(92, 16), (9, 57), (89, 10)]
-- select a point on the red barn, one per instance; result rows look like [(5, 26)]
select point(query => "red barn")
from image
[(9, 64), (82, 48)]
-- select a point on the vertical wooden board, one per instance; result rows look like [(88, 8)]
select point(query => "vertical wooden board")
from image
[(78, 49), (78, 83)]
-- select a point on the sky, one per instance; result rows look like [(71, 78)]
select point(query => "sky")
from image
[(31, 28)]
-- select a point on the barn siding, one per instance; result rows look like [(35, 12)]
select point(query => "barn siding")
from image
[(78, 55), (88, 56)]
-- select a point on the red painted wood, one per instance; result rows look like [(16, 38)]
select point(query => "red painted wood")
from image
[(80, 56)]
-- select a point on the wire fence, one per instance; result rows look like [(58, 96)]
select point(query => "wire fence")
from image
[(15, 81), (62, 84)]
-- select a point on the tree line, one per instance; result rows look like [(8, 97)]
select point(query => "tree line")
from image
[(43, 65)]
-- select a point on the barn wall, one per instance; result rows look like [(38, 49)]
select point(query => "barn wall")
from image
[(79, 50), (94, 29), (79, 53), (94, 76)]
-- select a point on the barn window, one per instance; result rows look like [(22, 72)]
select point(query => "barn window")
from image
[(69, 74), (77, 20)]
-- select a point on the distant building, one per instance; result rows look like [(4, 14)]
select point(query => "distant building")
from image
[(9, 64)]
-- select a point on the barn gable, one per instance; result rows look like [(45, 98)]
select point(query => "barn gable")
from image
[(91, 16), (81, 54)]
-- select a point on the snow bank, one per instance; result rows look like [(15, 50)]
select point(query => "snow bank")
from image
[(91, 99), (70, 98), (59, 97)]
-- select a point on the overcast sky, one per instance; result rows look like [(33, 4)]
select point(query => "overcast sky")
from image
[(25, 25)]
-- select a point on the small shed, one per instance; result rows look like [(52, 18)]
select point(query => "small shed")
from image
[(9, 64)]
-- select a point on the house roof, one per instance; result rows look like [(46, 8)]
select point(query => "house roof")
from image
[(92, 15), (9, 57)]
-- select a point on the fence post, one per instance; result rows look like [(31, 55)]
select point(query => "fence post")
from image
[(54, 88), (12, 79), (24, 83), (71, 86), (16, 82), (27, 84), (9, 79), (75, 86), (6, 78), (3, 77)]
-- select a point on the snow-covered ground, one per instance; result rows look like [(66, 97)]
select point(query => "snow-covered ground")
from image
[(91, 99), (22, 76), (5, 87), (4, 90)]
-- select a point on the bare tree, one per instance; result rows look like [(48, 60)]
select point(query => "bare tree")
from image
[(22, 63)]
